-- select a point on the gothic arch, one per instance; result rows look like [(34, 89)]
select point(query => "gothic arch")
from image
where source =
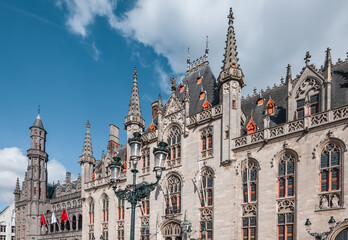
[(278, 157), (171, 228), (322, 144), (170, 127), (250, 160), (340, 227), (173, 172), (103, 196)]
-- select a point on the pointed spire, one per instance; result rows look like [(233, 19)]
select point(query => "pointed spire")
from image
[(307, 58), (134, 105), (38, 122), (328, 59), (206, 50), (187, 93), (288, 74), (87, 152), (230, 56), (17, 189), (188, 59)]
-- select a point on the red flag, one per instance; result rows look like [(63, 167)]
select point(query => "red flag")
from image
[(43, 220), (64, 216)]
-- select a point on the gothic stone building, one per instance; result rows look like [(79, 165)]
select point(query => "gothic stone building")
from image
[(238, 168), (37, 197)]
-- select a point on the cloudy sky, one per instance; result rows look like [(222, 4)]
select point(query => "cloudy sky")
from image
[(75, 59)]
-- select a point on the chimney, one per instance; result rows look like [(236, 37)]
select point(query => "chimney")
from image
[(68, 177), (113, 140), (154, 109)]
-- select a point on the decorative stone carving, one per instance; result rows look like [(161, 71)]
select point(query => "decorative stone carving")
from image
[(206, 214), (249, 210), (308, 84), (286, 205), (226, 88), (173, 106), (324, 203)]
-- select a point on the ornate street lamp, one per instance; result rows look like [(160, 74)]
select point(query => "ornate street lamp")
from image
[(323, 235), (186, 227), (142, 190)]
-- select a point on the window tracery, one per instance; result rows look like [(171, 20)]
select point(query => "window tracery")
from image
[(207, 201), (207, 142), (330, 176), (174, 146), (173, 195), (249, 205)]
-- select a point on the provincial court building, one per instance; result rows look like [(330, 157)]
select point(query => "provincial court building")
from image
[(239, 168)]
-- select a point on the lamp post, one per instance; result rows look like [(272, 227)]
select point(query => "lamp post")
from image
[(135, 193), (186, 227), (323, 235)]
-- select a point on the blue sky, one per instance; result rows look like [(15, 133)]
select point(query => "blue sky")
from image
[(75, 58)]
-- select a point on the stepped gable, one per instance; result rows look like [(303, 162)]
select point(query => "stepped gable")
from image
[(207, 85), (339, 85), (250, 107)]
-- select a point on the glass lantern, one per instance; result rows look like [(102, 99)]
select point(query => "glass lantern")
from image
[(115, 168), (160, 157), (135, 146), (308, 224)]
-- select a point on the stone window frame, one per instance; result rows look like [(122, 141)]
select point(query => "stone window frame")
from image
[(105, 208), (331, 199), (145, 160), (207, 142), (249, 208), (174, 137), (173, 191), (207, 210)]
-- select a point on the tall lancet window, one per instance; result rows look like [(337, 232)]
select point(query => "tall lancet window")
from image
[(207, 201), (174, 145), (249, 198), (105, 209), (91, 212), (330, 176), (173, 195), (286, 197)]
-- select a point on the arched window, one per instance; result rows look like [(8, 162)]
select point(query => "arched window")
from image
[(330, 168), (74, 223), (173, 195), (174, 146), (120, 209), (286, 176), (207, 193), (286, 197), (80, 222), (330, 176), (145, 206), (91, 212), (250, 182), (172, 231), (105, 209), (249, 205)]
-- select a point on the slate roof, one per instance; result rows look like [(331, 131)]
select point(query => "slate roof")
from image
[(339, 86), (51, 188), (250, 107), (208, 85), (38, 123)]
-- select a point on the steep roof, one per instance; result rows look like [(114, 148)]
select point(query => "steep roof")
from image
[(207, 85), (250, 107), (38, 123), (339, 86)]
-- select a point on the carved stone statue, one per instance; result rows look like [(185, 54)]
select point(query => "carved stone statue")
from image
[(324, 203), (334, 201)]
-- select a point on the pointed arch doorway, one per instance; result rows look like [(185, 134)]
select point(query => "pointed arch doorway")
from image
[(343, 235), (172, 231)]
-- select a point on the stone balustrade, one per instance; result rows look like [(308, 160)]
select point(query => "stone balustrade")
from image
[(303, 124)]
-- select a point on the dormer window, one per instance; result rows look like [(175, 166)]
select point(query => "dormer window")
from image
[(314, 104), (182, 88), (300, 109), (251, 127), (260, 101), (199, 80), (270, 105), (201, 95), (233, 65), (182, 103)]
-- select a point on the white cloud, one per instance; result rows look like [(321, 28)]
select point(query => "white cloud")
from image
[(270, 34), (13, 164), (56, 171)]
